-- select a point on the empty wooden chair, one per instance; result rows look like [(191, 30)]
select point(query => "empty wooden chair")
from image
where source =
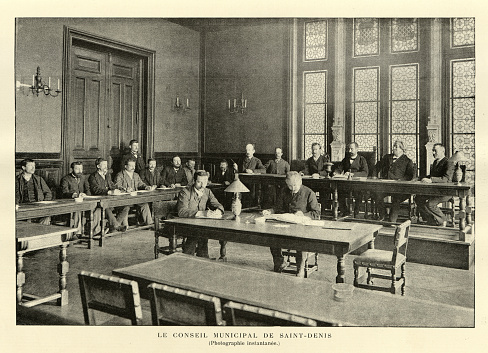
[(385, 260), (174, 306), (311, 262), (164, 210), (111, 295), (236, 314)]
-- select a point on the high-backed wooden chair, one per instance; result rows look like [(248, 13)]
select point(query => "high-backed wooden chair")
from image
[(385, 260), (236, 314), (174, 306), (164, 210), (111, 295)]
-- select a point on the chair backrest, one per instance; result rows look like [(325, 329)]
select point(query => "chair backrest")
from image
[(401, 239), (112, 295), (297, 165), (371, 159), (237, 314), (165, 209), (175, 306)]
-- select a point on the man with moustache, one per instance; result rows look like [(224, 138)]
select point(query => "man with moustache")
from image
[(275, 166), (134, 154), (189, 170), (249, 164), (150, 176), (174, 174), (317, 163)]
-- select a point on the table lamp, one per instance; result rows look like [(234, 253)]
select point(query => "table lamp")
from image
[(236, 187), (456, 159)]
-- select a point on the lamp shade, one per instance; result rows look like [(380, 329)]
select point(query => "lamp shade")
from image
[(458, 157), (236, 186)]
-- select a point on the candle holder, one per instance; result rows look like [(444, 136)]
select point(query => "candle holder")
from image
[(237, 106), (39, 86), (180, 107)]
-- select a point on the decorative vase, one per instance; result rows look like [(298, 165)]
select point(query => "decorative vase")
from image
[(458, 174), (236, 205)]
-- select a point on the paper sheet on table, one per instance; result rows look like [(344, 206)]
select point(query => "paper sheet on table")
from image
[(164, 188), (340, 176), (45, 202), (122, 193), (91, 197), (141, 191)]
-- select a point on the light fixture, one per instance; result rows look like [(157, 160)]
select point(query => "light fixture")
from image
[(236, 187), (39, 86), (457, 159), (181, 105), (237, 106)]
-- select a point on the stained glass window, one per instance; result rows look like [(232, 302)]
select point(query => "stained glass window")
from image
[(404, 35), (366, 37), (316, 40), (315, 110), (366, 107), (462, 32), (404, 107), (462, 111)]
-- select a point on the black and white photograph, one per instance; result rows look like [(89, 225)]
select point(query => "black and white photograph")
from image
[(290, 178)]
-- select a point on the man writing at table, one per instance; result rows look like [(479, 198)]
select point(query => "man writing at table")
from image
[(441, 171), (193, 202), (395, 166), (31, 188), (129, 181), (300, 200), (75, 185), (101, 184)]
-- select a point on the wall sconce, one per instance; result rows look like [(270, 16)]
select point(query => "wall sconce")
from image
[(181, 105), (237, 106), (39, 86)]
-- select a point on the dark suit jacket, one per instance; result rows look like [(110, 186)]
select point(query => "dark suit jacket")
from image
[(100, 186), (42, 191), (401, 169), (151, 178), (188, 203), (304, 200), (169, 176), (312, 166), (253, 163), (140, 164), (359, 167), (189, 174), (441, 171), (229, 176), (124, 182), (282, 167), (69, 186)]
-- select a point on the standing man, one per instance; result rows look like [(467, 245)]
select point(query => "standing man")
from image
[(129, 181), (75, 185), (31, 188), (249, 164), (193, 202), (352, 164), (134, 154), (189, 170), (394, 166), (317, 163), (150, 176), (300, 200), (174, 174), (441, 171), (101, 184), (275, 166)]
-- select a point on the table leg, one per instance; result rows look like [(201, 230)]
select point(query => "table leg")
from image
[(20, 277), (156, 237), (462, 213), (335, 203), (102, 224), (63, 268), (469, 210), (90, 227), (340, 269), (172, 240)]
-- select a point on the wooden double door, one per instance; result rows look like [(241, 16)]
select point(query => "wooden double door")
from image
[(104, 105)]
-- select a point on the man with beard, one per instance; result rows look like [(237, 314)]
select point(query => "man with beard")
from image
[(150, 176), (174, 174)]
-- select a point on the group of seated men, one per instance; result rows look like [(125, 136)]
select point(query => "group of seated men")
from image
[(195, 200)]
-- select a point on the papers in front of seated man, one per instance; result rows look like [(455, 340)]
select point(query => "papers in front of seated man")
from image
[(214, 214), (292, 218)]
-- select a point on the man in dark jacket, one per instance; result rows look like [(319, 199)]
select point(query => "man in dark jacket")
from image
[(134, 154), (31, 188), (174, 174), (193, 202), (150, 175), (394, 166), (441, 171), (317, 163), (189, 170), (249, 164)]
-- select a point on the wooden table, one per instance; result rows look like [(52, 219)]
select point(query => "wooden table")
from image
[(336, 242), (309, 298), (34, 236), (142, 196)]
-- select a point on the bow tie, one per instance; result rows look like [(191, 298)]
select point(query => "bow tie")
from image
[(395, 158), (352, 159)]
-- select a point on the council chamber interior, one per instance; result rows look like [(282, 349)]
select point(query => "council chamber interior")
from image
[(203, 89)]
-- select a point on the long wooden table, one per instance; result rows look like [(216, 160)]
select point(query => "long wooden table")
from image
[(309, 298), (333, 185), (34, 236), (332, 241)]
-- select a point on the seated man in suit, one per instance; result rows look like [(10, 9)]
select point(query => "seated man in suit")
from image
[(101, 184), (224, 175), (394, 166), (189, 170), (441, 171), (150, 176), (193, 201), (31, 188), (129, 181), (354, 165), (249, 163), (300, 200), (134, 154), (275, 166), (174, 174), (74, 185), (317, 163)]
